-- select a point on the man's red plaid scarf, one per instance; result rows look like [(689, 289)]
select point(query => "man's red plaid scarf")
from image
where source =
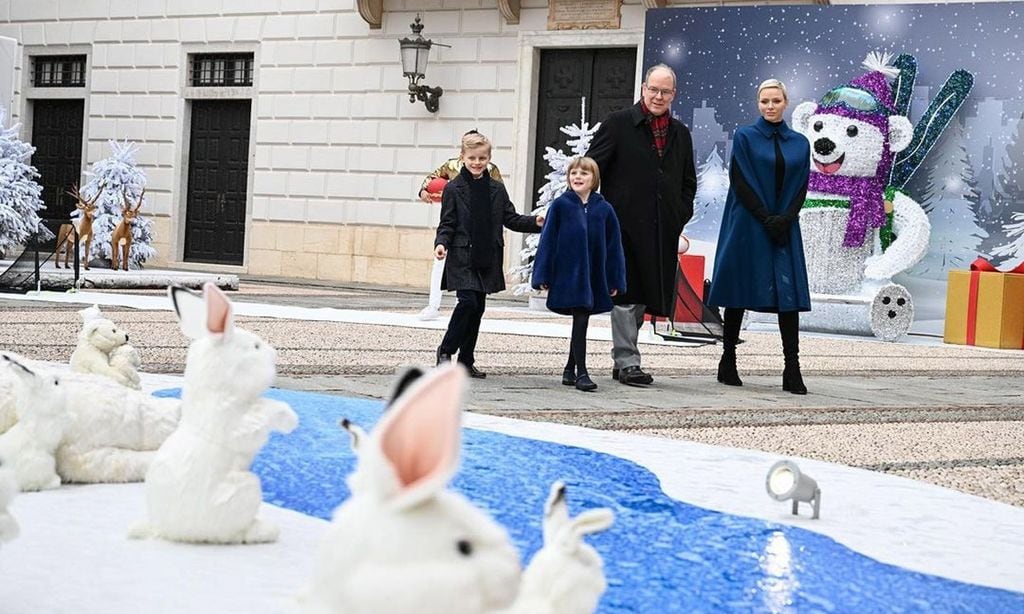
[(659, 127)]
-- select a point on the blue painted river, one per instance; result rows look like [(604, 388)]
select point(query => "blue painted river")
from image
[(661, 555)]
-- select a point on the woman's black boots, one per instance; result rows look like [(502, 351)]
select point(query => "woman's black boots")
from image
[(727, 373), (789, 326)]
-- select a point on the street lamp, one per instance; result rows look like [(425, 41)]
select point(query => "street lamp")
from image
[(415, 52)]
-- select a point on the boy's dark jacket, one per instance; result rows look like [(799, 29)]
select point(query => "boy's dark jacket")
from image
[(453, 232), (580, 255)]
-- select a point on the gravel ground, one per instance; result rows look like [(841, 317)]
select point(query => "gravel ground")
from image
[(950, 415), (981, 458)]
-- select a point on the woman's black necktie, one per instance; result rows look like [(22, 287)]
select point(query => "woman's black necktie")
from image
[(780, 165)]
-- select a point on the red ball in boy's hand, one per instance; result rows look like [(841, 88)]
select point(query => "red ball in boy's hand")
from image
[(435, 187)]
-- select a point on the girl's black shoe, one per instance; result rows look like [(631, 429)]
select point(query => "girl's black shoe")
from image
[(568, 378), (584, 383)]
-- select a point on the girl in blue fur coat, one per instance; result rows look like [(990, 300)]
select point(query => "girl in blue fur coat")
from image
[(580, 261)]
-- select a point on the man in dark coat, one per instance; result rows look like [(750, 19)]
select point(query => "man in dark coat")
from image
[(647, 171)]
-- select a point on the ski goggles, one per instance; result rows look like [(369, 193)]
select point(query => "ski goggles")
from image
[(853, 98)]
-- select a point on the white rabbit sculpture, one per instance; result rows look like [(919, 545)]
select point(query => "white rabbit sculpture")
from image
[(8, 488), (566, 576), (114, 430), (199, 487), (403, 543), (110, 432), (30, 446)]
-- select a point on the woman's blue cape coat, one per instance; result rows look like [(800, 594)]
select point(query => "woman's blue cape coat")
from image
[(752, 271), (580, 255)]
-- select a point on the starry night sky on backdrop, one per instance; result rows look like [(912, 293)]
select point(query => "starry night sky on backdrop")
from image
[(721, 54)]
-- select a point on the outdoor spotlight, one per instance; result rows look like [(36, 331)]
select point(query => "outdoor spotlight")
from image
[(415, 52), (786, 481)]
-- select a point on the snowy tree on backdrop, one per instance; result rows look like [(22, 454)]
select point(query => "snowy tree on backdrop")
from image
[(121, 176), (580, 136), (950, 201), (709, 202), (1009, 197), (1012, 252), (20, 194)]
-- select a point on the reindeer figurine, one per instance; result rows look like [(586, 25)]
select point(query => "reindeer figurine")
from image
[(67, 232), (121, 239)]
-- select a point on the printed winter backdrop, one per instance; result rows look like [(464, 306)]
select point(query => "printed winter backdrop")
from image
[(971, 184)]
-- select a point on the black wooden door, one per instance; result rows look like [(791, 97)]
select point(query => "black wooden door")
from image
[(604, 76), (218, 169), (57, 137)]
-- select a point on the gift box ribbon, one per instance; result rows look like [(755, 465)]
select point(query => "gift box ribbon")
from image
[(984, 266), (979, 266)]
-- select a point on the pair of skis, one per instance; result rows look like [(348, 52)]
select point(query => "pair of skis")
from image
[(934, 121)]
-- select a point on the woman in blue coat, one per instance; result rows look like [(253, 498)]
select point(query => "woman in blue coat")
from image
[(580, 261), (759, 264)]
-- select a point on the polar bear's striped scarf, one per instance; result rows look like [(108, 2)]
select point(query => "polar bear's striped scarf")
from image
[(867, 207)]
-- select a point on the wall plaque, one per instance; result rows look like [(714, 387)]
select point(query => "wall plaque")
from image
[(584, 14)]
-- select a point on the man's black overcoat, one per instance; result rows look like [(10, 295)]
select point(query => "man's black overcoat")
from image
[(653, 198)]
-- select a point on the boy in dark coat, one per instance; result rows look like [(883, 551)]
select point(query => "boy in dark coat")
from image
[(580, 261), (469, 239)]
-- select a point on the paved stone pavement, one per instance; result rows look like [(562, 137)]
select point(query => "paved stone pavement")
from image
[(950, 415)]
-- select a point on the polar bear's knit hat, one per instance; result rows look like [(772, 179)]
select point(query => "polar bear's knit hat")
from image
[(868, 95)]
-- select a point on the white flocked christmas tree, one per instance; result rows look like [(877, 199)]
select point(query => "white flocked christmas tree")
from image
[(1010, 197), (949, 202), (580, 136), (1012, 253), (709, 202), (20, 193), (120, 175)]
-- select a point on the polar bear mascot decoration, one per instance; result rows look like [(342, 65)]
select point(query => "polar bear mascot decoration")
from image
[(103, 349), (404, 543), (860, 227), (199, 487), (29, 447), (8, 489)]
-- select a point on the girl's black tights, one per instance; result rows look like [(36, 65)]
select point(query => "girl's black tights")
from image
[(578, 343)]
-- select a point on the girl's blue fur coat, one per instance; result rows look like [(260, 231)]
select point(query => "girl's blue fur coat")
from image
[(580, 255)]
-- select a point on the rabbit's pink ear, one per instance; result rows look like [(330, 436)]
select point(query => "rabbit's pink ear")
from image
[(218, 310), (420, 435)]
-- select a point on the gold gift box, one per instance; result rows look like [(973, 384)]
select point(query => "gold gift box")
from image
[(996, 320)]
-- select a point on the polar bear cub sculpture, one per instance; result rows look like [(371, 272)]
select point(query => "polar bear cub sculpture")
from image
[(30, 446), (199, 487), (103, 349)]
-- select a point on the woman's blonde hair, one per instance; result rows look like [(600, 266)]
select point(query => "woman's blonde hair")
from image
[(587, 164), (770, 83), (473, 140)]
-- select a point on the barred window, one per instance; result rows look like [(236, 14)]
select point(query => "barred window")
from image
[(58, 71), (221, 70)]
